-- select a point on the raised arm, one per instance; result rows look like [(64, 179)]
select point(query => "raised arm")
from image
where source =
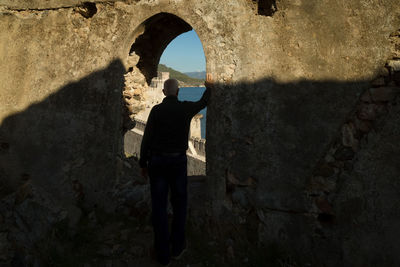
[(202, 103)]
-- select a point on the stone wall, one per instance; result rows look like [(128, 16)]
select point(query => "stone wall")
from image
[(289, 76), (195, 126), (199, 146)]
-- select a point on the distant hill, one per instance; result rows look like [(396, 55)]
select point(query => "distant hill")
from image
[(197, 74), (183, 78)]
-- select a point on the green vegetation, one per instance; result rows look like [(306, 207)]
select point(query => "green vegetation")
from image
[(196, 74), (180, 76)]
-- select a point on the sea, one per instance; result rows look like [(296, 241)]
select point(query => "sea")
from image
[(194, 94)]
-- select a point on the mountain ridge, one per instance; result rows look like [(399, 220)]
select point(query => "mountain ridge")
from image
[(183, 79), (196, 74)]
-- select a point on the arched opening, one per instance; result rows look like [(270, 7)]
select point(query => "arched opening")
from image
[(144, 81), (159, 31)]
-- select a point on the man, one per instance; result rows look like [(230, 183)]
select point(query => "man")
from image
[(163, 158)]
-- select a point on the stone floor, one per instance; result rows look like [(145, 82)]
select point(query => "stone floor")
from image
[(35, 233), (126, 240)]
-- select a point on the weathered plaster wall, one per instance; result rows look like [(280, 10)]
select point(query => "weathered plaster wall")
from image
[(61, 100), (287, 84)]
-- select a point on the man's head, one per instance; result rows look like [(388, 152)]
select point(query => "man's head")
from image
[(171, 87)]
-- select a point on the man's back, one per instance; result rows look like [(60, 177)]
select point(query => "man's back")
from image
[(168, 126), (172, 124)]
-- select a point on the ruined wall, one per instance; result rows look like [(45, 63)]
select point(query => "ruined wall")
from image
[(60, 102), (289, 78)]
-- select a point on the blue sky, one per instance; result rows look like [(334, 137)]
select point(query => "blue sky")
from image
[(185, 53)]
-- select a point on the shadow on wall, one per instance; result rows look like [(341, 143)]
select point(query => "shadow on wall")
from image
[(266, 142), (306, 161), (69, 142), (74, 137)]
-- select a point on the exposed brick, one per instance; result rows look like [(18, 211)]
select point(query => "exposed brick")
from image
[(349, 135), (363, 126), (323, 205), (394, 65), (344, 153), (324, 170), (380, 94), (381, 109), (378, 82), (384, 71), (383, 94), (367, 112), (366, 96)]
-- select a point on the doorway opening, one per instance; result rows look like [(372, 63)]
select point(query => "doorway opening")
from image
[(167, 39)]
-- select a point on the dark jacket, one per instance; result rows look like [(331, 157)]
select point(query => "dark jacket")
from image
[(168, 125)]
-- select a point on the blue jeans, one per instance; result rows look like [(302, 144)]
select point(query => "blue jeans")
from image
[(168, 172)]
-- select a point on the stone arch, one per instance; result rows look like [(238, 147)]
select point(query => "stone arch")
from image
[(152, 37), (145, 44)]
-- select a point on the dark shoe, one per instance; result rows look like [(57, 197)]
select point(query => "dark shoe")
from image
[(179, 255), (161, 261), (165, 264)]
